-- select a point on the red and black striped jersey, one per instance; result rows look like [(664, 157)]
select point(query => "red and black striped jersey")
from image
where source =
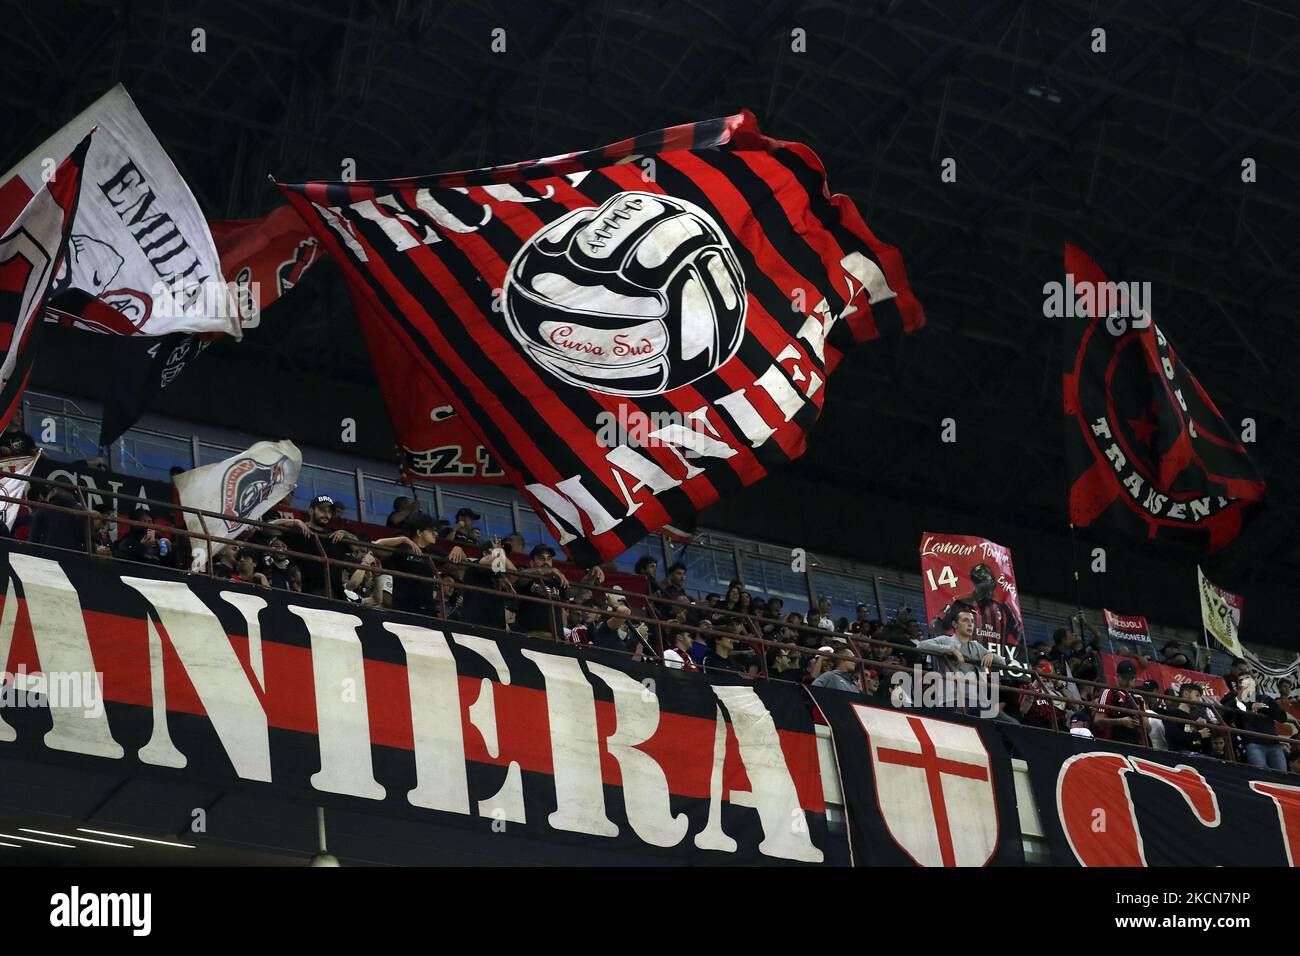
[(995, 621)]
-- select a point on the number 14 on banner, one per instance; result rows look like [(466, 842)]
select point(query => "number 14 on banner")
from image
[(947, 578)]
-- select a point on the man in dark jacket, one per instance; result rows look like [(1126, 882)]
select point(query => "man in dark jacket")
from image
[(1189, 738), (57, 528), (1246, 709)]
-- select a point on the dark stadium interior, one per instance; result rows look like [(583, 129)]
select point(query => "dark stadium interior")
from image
[(1134, 155)]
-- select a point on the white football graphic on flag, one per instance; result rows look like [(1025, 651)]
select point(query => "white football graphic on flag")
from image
[(636, 296)]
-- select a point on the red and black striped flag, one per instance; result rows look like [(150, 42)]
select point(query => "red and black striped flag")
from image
[(1148, 449), (32, 252), (634, 331)]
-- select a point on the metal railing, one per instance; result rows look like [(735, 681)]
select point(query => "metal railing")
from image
[(652, 620), (823, 576)]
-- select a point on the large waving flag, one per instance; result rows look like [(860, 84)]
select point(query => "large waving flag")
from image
[(33, 247), (1148, 450), (141, 260), (633, 331)]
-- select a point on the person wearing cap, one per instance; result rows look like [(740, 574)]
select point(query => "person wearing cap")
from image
[(302, 536), (1081, 722), (1110, 724), (541, 579), (411, 555), (840, 676), (818, 663), (1172, 655), (461, 531), (873, 687)]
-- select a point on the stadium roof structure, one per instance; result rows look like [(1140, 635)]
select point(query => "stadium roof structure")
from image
[(1135, 154)]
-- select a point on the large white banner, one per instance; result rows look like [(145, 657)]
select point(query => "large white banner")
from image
[(140, 244), (243, 486)]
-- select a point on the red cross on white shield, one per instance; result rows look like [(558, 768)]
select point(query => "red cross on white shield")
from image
[(934, 787)]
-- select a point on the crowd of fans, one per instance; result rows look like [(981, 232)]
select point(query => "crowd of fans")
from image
[(447, 568)]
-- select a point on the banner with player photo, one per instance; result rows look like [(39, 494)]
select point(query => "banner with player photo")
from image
[(965, 573), (632, 332), (922, 787), (1220, 614), (446, 742), (1128, 629), (1103, 803)]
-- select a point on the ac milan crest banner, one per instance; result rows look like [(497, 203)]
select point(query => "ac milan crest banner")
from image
[(33, 248), (264, 258), (922, 787), (963, 573), (443, 738), (434, 441), (1148, 450), (1107, 804), (246, 485), (1220, 613), (1129, 629), (632, 331)]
